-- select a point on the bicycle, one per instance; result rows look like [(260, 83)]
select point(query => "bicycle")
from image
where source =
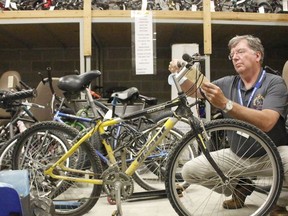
[(21, 120), (57, 171), (136, 129), (119, 134)]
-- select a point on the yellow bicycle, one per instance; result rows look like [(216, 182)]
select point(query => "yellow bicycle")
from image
[(64, 166)]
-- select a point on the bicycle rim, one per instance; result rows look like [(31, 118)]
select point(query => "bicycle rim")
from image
[(205, 195), (38, 148)]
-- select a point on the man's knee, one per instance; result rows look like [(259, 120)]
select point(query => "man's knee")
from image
[(190, 173), (185, 173)]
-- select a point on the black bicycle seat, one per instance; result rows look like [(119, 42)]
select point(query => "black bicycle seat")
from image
[(128, 95), (149, 100), (77, 83)]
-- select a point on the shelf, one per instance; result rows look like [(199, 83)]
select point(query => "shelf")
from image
[(33, 14), (158, 15)]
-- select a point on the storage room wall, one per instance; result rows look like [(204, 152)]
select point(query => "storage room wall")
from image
[(116, 66), (29, 62)]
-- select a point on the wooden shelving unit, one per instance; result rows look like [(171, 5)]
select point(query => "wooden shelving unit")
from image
[(86, 16), (171, 15)]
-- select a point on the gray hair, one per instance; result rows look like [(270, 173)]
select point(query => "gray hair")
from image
[(253, 42)]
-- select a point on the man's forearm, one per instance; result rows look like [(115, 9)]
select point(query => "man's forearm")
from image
[(263, 119)]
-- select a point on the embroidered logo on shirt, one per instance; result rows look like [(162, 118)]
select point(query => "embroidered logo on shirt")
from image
[(258, 102)]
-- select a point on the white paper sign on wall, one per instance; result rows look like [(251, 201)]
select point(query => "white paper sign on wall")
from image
[(144, 52)]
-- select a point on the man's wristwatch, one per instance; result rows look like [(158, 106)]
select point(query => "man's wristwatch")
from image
[(228, 106)]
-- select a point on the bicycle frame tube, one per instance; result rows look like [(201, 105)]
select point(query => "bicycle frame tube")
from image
[(58, 115), (153, 109), (151, 145)]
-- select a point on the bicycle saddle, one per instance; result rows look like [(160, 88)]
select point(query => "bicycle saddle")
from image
[(77, 83), (149, 100), (128, 95)]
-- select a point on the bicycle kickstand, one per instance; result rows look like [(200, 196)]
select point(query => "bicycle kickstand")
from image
[(118, 186)]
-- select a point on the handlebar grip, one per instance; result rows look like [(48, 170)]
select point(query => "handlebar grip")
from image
[(196, 57), (11, 96)]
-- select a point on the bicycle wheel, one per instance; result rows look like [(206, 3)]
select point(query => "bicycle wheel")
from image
[(39, 147), (206, 192), (6, 153)]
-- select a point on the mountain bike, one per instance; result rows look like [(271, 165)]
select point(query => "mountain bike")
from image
[(121, 135), (50, 152)]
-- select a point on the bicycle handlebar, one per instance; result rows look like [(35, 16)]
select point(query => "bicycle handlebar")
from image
[(8, 96), (194, 58), (188, 70)]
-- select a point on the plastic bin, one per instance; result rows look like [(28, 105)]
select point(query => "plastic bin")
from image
[(14, 181)]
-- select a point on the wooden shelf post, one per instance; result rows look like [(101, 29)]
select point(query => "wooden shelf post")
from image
[(207, 28), (87, 19)]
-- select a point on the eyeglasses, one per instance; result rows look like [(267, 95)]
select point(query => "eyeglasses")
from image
[(239, 52)]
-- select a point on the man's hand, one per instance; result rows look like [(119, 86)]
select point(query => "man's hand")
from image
[(214, 94), (174, 66)]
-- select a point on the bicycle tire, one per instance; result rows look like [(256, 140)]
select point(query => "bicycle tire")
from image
[(6, 152), (39, 147), (6, 149), (199, 200), (42, 206)]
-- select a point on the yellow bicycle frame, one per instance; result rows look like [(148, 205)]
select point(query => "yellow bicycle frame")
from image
[(100, 127)]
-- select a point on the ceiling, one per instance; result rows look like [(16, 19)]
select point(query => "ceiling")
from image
[(65, 35)]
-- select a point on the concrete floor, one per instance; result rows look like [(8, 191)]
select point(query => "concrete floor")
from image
[(147, 206), (152, 207), (159, 206)]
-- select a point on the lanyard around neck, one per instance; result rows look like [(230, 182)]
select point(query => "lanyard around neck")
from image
[(258, 84)]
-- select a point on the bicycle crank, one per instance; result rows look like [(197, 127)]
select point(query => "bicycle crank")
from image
[(112, 178), (118, 186)]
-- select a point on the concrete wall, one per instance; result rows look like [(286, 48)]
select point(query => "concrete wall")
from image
[(115, 64)]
